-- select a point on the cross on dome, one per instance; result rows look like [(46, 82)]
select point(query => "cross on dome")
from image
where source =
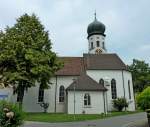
[(95, 14)]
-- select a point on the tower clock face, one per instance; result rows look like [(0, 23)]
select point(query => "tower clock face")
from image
[(98, 51)]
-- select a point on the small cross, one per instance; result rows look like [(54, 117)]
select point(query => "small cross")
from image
[(95, 14)]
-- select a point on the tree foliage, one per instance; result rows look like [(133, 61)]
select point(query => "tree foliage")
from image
[(143, 99), (26, 55), (141, 74), (120, 103)]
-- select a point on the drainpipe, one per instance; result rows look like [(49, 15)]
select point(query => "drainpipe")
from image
[(123, 83), (55, 93), (106, 103), (74, 89)]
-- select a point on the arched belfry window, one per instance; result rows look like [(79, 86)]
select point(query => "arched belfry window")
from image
[(101, 81), (113, 89), (92, 46), (103, 45), (97, 43), (87, 99), (61, 94)]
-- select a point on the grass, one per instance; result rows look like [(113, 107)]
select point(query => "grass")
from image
[(53, 118)]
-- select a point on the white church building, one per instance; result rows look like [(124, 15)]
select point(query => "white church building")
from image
[(86, 84)]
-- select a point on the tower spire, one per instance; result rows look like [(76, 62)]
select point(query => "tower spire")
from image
[(95, 14)]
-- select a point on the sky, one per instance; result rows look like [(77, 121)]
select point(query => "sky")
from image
[(127, 24)]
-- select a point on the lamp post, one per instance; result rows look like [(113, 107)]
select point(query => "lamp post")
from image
[(106, 84)]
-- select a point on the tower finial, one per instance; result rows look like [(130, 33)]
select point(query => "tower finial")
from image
[(95, 14)]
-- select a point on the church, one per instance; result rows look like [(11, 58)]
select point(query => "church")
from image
[(85, 85)]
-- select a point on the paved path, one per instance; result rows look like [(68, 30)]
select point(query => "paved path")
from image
[(119, 121)]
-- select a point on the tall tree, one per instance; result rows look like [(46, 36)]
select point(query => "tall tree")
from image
[(141, 74), (26, 55)]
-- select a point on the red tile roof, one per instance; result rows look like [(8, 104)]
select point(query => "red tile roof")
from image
[(103, 62), (84, 82), (72, 66), (76, 65)]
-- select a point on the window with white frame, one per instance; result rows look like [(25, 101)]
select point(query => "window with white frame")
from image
[(61, 94), (113, 89), (87, 99), (41, 94)]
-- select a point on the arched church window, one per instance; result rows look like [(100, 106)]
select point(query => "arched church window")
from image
[(97, 43), (113, 89), (19, 94), (103, 45), (41, 94), (129, 89), (87, 99), (61, 94), (101, 81), (92, 45)]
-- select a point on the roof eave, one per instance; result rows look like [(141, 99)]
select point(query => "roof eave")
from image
[(84, 90)]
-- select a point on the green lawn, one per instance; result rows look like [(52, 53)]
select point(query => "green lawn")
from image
[(49, 117)]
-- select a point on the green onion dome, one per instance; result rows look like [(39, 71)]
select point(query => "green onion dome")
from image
[(95, 27)]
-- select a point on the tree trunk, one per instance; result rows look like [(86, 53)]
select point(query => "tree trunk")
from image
[(20, 94)]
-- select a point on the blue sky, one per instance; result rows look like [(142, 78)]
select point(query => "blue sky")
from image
[(127, 24)]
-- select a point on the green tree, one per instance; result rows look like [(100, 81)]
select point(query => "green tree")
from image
[(141, 74), (143, 99), (26, 55)]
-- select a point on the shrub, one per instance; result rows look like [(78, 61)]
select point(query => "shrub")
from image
[(45, 106), (10, 115), (120, 103), (143, 99)]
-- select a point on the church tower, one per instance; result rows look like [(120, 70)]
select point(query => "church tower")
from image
[(96, 37)]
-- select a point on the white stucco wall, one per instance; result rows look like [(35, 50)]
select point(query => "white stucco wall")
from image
[(30, 100), (97, 103), (65, 81), (131, 101), (118, 76), (31, 104)]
